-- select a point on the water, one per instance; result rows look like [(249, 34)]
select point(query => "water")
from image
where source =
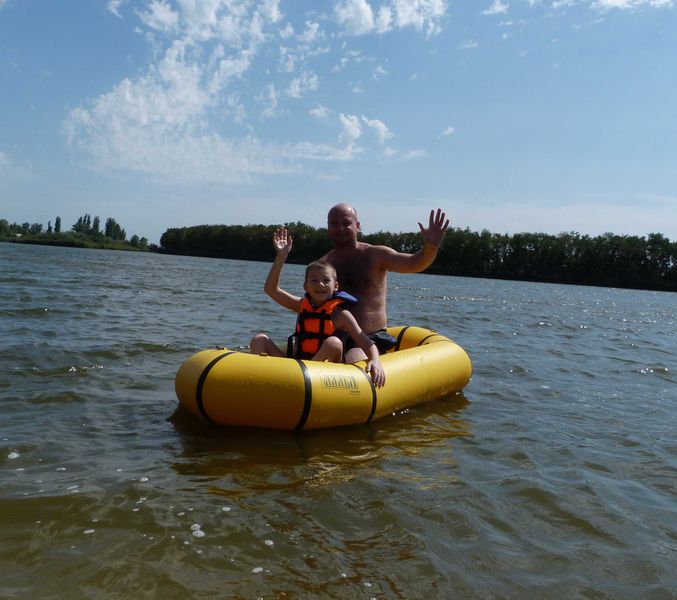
[(552, 476)]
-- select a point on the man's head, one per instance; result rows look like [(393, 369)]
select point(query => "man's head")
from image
[(321, 281), (343, 225)]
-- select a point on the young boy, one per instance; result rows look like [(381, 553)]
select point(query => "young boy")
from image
[(321, 314)]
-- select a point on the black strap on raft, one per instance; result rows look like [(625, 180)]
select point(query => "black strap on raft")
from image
[(201, 382)]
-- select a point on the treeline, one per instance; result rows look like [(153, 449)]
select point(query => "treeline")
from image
[(86, 232), (606, 260)]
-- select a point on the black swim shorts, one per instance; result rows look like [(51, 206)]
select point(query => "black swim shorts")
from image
[(383, 340)]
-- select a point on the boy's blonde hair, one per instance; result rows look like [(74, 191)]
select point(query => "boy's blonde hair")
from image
[(321, 265)]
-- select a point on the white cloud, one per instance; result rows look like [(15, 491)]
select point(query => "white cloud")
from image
[(351, 129), (379, 73), (384, 19), (155, 126), (380, 129), (630, 4), (312, 33), (270, 97), (468, 45), (346, 149), (357, 16), (160, 16), (169, 122), (227, 69), (449, 131), (113, 6), (287, 32), (319, 112), (307, 82), (270, 9), (414, 154), (420, 14), (497, 8)]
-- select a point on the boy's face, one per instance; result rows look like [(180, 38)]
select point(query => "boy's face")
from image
[(320, 284)]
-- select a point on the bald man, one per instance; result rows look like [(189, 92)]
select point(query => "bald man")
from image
[(362, 268)]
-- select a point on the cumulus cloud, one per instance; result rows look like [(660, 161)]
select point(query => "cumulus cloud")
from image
[(352, 129), (357, 17), (160, 16), (287, 32), (497, 8), (468, 45), (630, 4), (306, 82), (179, 119), (311, 34), (270, 98), (380, 129), (320, 111), (113, 6), (414, 154), (344, 150), (449, 131)]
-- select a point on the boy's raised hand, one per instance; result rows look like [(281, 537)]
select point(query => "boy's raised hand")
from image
[(282, 242)]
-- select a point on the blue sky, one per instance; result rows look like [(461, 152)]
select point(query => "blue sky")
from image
[(512, 115)]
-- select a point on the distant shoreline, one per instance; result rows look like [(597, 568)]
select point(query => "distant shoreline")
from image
[(69, 242), (247, 253)]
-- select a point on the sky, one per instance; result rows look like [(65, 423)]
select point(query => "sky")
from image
[(511, 115)]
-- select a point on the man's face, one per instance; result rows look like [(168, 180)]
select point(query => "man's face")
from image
[(343, 226)]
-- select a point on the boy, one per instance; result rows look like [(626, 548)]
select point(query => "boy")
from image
[(321, 316)]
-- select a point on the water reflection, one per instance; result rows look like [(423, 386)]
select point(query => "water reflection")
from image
[(248, 459)]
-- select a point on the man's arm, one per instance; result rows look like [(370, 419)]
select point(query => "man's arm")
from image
[(421, 260)]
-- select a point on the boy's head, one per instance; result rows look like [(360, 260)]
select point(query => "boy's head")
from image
[(321, 281)]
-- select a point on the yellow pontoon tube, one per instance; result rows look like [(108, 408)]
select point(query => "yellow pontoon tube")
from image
[(229, 387)]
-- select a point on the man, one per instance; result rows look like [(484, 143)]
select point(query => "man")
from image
[(362, 268)]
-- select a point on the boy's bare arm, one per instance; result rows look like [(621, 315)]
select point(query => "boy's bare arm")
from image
[(345, 321)]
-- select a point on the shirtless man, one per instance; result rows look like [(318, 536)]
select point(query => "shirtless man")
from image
[(362, 268)]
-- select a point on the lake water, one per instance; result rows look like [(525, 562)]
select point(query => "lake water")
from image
[(552, 476)]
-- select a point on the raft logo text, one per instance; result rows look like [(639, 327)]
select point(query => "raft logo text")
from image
[(341, 382)]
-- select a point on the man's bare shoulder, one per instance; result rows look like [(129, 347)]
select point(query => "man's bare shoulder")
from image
[(370, 254)]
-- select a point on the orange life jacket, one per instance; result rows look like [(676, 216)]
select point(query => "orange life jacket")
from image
[(314, 325)]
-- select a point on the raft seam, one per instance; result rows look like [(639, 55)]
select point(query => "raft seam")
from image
[(201, 381), (373, 392), (307, 396)]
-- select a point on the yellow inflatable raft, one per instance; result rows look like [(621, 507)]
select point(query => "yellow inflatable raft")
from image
[(229, 387)]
